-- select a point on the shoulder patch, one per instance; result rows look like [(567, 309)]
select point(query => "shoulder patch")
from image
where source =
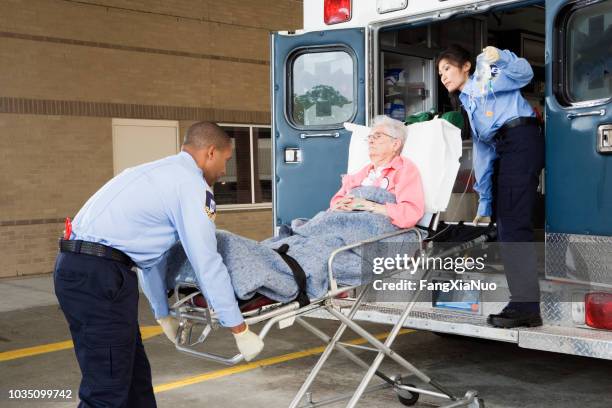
[(494, 70)]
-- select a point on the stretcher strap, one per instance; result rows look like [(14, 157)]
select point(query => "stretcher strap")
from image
[(298, 274)]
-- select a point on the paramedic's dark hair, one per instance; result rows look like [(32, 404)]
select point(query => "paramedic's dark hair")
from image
[(201, 135), (457, 55)]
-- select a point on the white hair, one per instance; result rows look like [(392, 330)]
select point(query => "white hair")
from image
[(394, 127)]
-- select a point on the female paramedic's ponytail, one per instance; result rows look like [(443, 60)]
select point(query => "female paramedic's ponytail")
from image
[(458, 56)]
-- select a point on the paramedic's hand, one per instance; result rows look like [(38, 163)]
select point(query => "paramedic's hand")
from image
[(170, 327), (491, 54), (482, 219), (249, 343)]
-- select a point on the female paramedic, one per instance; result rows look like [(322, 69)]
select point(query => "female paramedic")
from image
[(508, 156)]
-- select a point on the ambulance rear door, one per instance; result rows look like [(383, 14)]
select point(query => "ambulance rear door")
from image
[(579, 141), (579, 117), (318, 83)]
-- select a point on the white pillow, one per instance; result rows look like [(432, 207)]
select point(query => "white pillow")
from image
[(433, 146), (358, 148)]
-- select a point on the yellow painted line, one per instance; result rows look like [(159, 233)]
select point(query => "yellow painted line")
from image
[(33, 351), (256, 364), (146, 332), (150, 331)]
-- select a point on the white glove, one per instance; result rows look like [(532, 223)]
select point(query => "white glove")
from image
[(482, 219), (491, 54), (249, 344), (170, 327)]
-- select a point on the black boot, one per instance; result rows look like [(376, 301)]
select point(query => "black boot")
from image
[(517, 314)]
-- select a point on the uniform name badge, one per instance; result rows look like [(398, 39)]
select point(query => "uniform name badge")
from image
[(210, 207)]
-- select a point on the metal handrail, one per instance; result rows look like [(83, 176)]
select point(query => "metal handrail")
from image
[(332, 281)]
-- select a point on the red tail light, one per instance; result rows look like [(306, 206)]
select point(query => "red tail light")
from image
[(337, 11), (598, 310)]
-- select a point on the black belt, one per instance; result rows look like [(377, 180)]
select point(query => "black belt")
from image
[(95, 249), (298, 274), (516, 122)]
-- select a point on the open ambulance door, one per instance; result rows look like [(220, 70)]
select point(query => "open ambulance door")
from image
[(318, 83), (578, 130)]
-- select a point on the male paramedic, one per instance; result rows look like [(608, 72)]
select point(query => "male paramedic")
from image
[(131, 222)]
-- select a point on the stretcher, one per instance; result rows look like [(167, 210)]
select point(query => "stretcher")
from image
[(197, 321)]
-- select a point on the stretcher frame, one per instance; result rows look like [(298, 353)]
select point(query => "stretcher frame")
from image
[(286, 315)]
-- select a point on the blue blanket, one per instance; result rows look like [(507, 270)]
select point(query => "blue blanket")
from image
[(254, 267)]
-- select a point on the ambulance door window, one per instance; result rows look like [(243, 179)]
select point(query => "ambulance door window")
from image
[(588, 53), (322, 89)]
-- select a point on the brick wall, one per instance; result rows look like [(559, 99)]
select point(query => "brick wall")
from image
[(28, 249), (52, 164), (68, 67)]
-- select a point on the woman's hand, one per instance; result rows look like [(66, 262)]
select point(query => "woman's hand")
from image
[(351, 203), (482, 219), (491, 54), (343, 204), (361, 204)]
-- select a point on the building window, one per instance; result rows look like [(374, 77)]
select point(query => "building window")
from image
[(262, 144), (248, 178)]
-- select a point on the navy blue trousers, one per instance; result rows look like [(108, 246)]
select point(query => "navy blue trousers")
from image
[(100, 301), (520, 161)]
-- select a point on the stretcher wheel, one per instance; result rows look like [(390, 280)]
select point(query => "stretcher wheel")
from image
[(407, 398)]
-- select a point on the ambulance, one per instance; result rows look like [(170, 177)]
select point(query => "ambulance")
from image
[(355, 59)]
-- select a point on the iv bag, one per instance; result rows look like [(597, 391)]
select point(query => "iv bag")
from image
[(482, 76)]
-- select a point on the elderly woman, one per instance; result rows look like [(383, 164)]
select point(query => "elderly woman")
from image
[(265, 268), (388, 170)]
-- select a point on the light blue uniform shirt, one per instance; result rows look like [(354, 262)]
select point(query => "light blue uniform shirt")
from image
[(487, 113), (144, 211)]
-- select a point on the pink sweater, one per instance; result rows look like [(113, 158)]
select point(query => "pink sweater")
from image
[(400, 177)]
